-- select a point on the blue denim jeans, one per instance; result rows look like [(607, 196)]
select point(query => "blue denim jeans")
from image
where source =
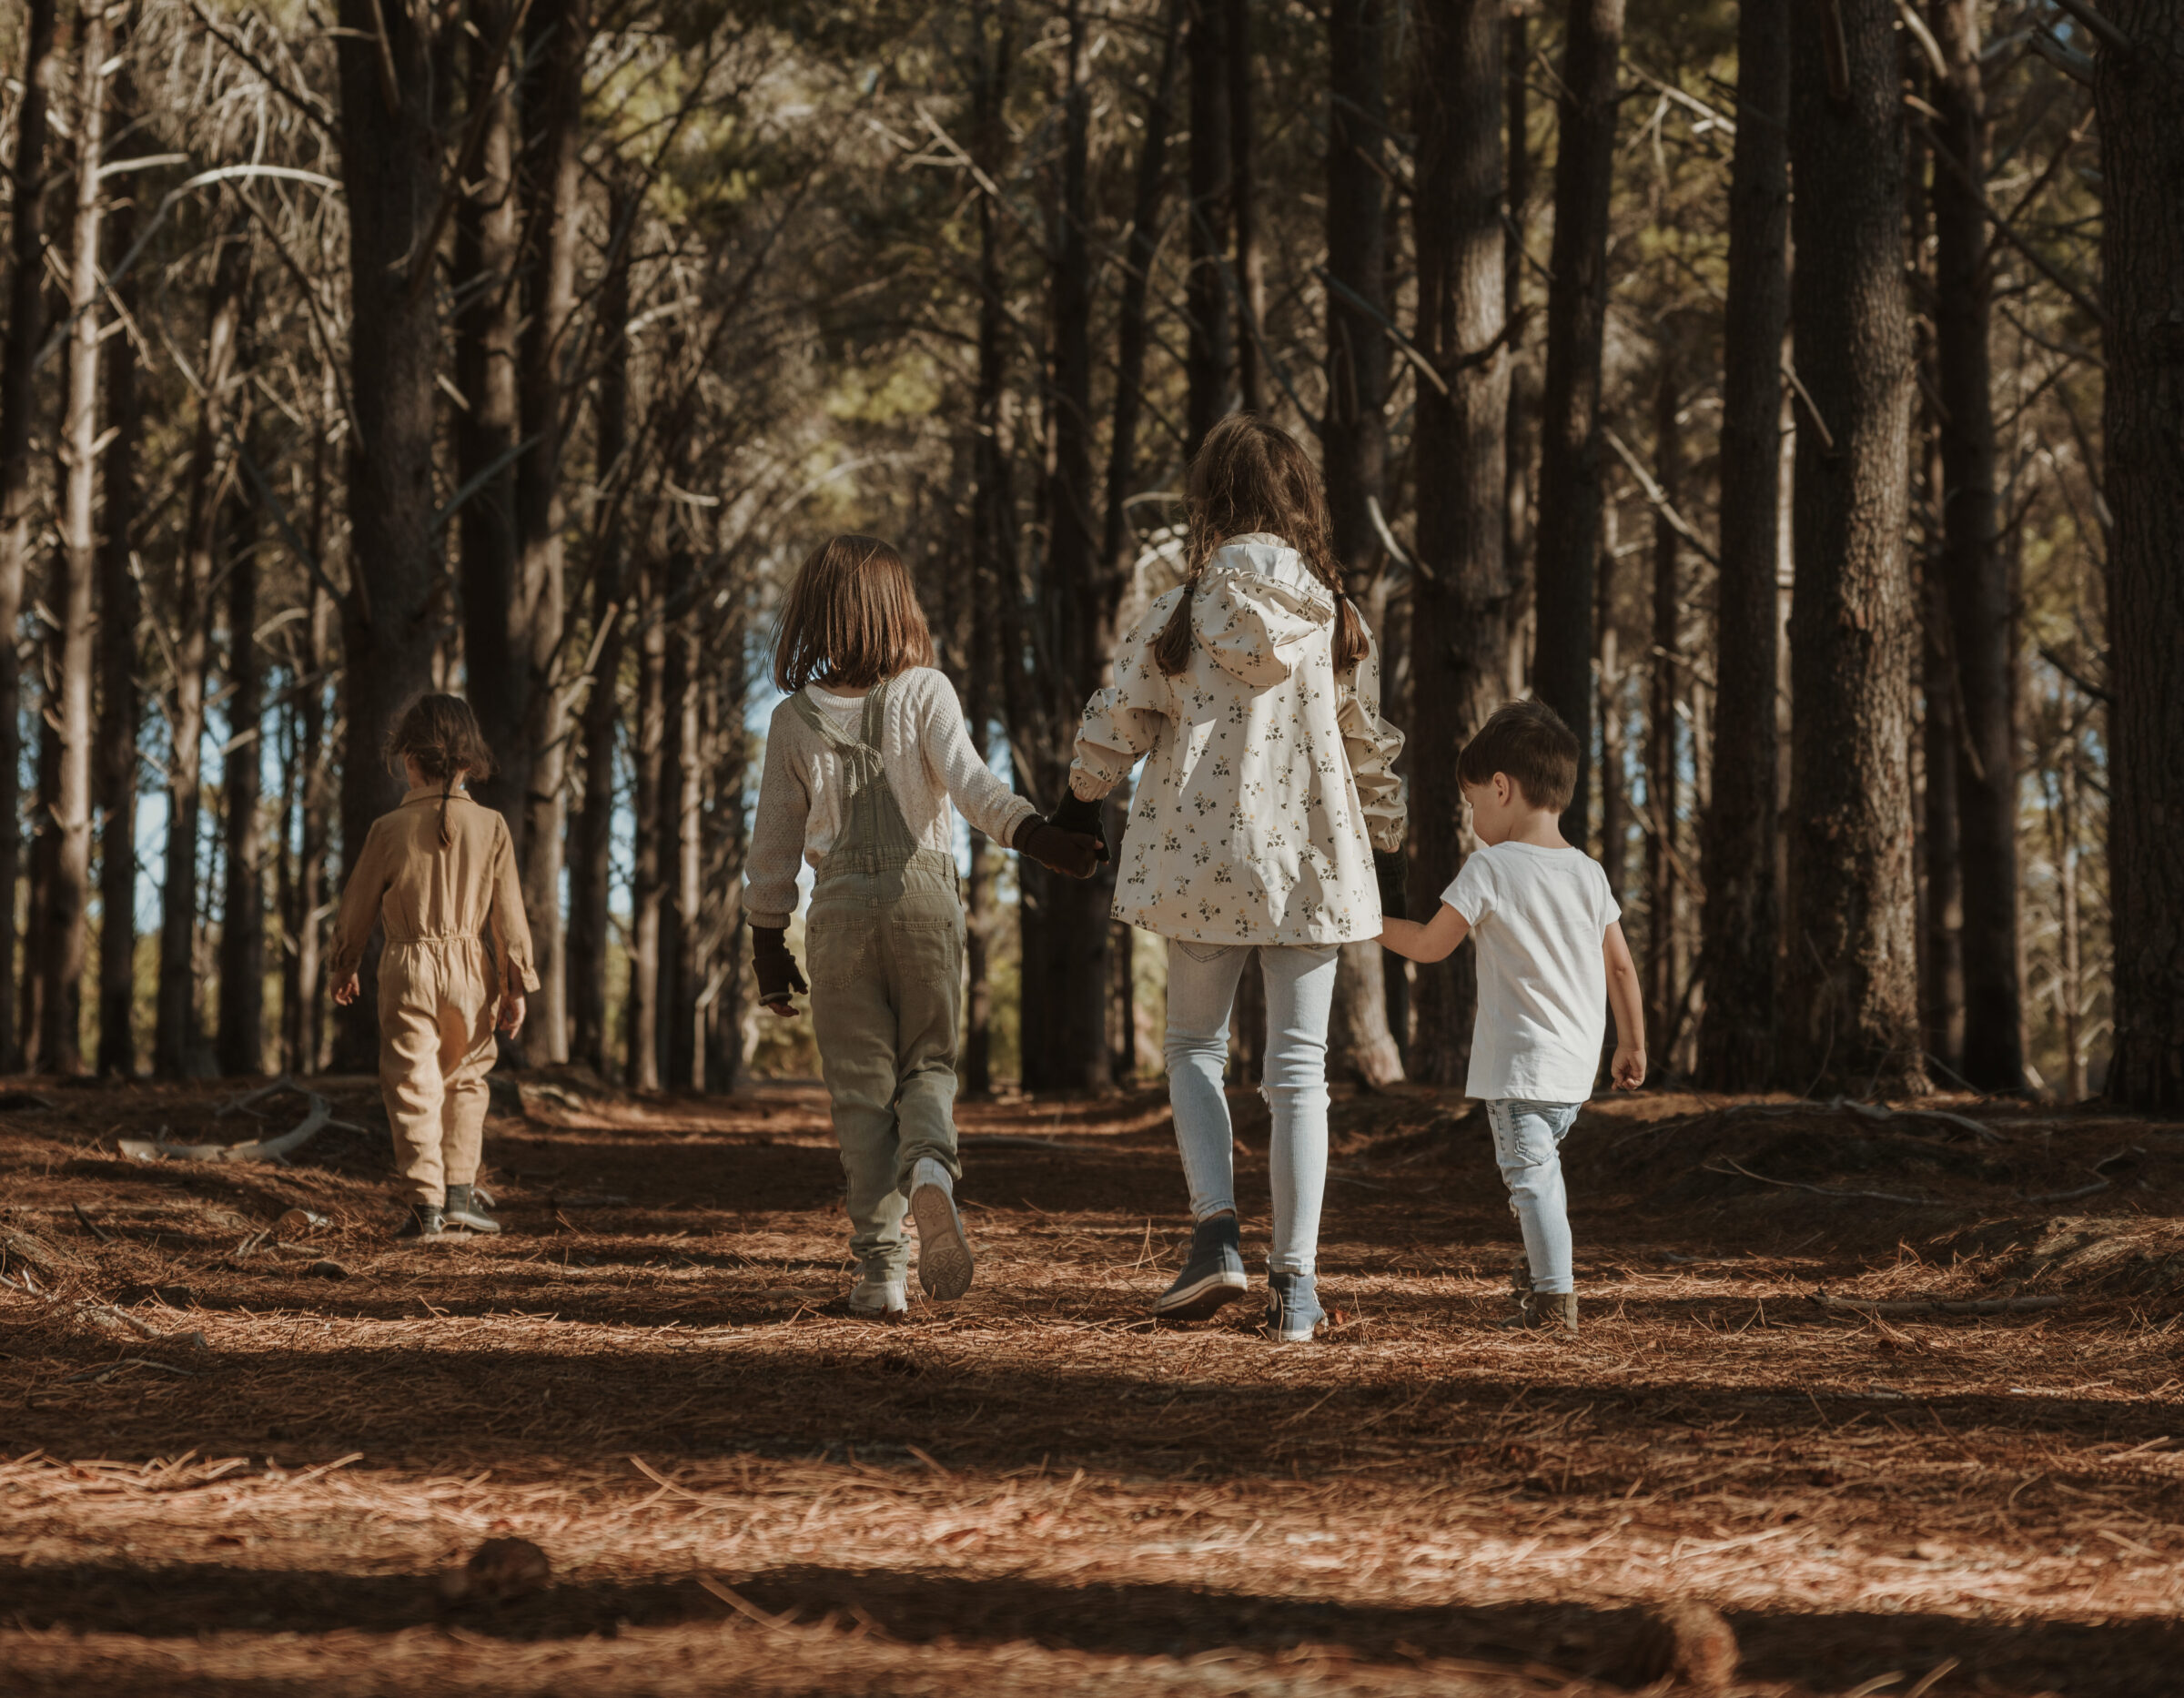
[(1528, 1147), (1300, 989)]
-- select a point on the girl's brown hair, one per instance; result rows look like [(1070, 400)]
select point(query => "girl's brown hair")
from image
[(1248, 475), (440, 734), (851, 618)]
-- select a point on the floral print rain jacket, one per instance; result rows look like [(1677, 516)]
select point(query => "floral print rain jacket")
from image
[(1268, 785)]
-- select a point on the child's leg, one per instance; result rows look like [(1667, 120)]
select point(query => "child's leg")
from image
[(853, 1021), (922, 946), (410, 1081), (1201, 989), (1300, 991), (467, 1053), (1528, 1139)]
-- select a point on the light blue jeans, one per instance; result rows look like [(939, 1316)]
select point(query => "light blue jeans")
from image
[(1300, 989), (1528, 1148)]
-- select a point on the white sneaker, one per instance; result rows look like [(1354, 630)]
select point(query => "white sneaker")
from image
[(878, 1297), (944, 1253)]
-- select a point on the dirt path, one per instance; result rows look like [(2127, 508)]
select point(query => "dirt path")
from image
[(739, 1487)]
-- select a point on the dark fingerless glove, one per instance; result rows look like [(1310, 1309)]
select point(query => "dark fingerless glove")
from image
[(1071, 854), (1391, 872), (1076, 814), (774, 965)]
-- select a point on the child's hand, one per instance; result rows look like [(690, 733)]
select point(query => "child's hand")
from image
[(345, 991), (1628, 1069), (784, 1008), (511, 1012)]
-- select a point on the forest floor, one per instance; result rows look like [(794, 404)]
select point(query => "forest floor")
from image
[(228, 1467)]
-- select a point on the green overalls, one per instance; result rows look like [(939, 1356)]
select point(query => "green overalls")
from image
[(884, 937)]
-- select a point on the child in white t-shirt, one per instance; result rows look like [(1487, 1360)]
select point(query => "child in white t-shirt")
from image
[(1551, 956)]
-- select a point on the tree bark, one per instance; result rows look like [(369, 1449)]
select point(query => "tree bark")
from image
[(2138, 96), (642, 1005), (1354, 431), (242, 1007), (1066, 931), (1460, 598), (992, 552), (1251, 274), (303, 1006), (1941, 958), (1850, 991), (393, 77), (177, 1015), (1522, 432), (1974, 572), (18, 414), (1615, 780), (590, 832), (1211, 354), (1570, 449), (120, 707), (1661, 741), (1741, 927), (68, 898), (728, 761), (558, 32), (675, 826)]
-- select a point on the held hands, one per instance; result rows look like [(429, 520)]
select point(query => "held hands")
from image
[(1081, 818), (1071, 854), (1391, 872), (1628, 1069), (775, 967)]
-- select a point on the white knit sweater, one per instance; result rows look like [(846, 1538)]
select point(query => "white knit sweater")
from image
[(927, 756)]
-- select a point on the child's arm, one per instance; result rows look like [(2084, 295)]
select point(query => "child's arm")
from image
[(771, 866), (1628, 1070), (1122, 723), (360, 912), (1436, 940), (511, 935)]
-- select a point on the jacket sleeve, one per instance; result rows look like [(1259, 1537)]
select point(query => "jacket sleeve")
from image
[(978, 795), (511, 927), (1124, 722), (1372, 744), (359, 909), (777, 851)]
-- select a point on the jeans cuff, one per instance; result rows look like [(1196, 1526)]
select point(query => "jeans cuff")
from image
[(1208, 1210)]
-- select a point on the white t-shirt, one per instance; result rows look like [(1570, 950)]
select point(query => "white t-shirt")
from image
[(1538, 917), (844, 713)]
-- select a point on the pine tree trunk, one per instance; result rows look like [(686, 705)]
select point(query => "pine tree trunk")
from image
[(393, 81), (242, 1017), (1066, 929), (2070, 986), (68, 900), (591, 829), (674, 826), (18, 414), (991, 551), (120, 709), (1941, 954), (177, 1015), (1251, 274), (1741, 929), (488, 354), (1974, 570), (1354, 432), (1661, 741), (1460, 599), (1210, 352), (1522, 432), (1615, 775), (1570, 449), (1851, 992), (304, 1028), (728, 762), (2138, 97), (558, 32), (642, 1005)]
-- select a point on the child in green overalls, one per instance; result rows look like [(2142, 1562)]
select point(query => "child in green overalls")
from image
[(862, 762)]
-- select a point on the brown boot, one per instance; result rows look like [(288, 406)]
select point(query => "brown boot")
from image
[(1544, 1311)]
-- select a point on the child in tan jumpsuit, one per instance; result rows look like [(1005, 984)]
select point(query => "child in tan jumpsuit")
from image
[(439, 872), (862, 762)]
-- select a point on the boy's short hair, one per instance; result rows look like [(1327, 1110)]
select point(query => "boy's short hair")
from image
[(1528, 741)]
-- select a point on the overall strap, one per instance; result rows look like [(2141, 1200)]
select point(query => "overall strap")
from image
[(874, 832)]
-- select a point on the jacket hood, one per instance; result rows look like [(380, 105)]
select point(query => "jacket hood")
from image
[(1254, 604)]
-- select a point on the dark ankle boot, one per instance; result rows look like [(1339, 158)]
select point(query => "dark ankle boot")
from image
[(425, 1221), (465, 1210)]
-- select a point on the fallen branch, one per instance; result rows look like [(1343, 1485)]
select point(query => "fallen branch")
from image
[(1013, 1140), (1931, 1305), (1822, 1190), (314, 1121), (1875, 1111), (270, 1088), (47, 1258), (91, 1225)]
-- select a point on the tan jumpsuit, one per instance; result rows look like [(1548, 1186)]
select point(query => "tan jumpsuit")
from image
[(440, 988)]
